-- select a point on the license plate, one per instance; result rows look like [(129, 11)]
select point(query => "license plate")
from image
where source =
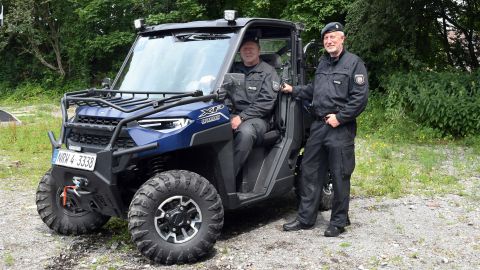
[(71, 159)]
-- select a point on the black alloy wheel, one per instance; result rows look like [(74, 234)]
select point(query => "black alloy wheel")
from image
[(175, 217)]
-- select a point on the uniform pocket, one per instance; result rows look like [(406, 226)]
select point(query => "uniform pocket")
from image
[(348, 160), (340, 81), (254, 85), (253, 88)]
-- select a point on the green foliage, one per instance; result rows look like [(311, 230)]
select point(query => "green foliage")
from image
[(315, 14), (410, 35), (179, 11), (392, 124), (446, 101), (48, 91)]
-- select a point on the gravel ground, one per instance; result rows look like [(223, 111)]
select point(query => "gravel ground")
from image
[(413, 232)]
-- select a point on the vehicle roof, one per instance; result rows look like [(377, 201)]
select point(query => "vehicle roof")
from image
[(220, 23)]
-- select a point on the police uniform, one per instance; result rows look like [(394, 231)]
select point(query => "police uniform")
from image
[(340, 87), (254, 105)]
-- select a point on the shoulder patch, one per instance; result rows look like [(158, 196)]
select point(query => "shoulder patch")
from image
[(359, 79), (276, 86)]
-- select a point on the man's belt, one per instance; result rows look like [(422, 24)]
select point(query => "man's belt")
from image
[(319, 117)]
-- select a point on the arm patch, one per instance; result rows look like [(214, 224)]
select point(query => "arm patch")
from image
[(275, 86), (359, 79)]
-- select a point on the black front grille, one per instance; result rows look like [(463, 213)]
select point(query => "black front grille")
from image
[(97, 120), (100, 140)]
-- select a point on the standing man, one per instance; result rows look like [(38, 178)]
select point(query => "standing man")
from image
[(339, 94), (253, 107)]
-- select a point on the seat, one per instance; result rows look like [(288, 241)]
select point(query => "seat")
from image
[(274, 133), (272, 59)]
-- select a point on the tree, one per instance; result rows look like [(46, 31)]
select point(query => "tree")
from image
[(415, 34), (315, 14), (36, 27)]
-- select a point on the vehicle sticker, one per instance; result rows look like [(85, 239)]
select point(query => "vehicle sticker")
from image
[(211, 110), (210, 119)]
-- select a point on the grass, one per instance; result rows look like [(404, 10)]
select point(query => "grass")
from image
[(394, 158), (25, 150), (386, 169)]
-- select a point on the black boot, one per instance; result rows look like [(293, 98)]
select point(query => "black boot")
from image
[(333, 231), (296, 225)]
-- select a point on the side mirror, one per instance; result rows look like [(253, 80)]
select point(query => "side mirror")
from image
[(106, 83), (232, 82), (1, 15), (312, 53)]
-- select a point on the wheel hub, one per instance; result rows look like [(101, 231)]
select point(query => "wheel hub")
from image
[(178, 219), (71, 206)]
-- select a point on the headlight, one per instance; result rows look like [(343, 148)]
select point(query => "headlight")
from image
[(165, 125)]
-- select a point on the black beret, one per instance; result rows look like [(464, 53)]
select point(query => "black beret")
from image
[(332, 27), (251, 39)]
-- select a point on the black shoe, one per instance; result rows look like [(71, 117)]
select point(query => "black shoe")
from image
[(333, 231), (296, 225)]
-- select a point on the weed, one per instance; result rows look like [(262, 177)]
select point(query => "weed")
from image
[(345, 244), (400, 228), (120, 233), (414, 255), (397, 260), (101, 262), (224, 250), (8, 259)]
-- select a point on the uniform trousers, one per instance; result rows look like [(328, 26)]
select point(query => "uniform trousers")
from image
[(249, 133), (333, 149)]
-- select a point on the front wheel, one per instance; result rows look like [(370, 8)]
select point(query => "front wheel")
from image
[(64, 219), (175, 217)]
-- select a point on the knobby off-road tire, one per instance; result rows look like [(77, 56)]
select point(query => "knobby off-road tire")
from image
[(327, 191), (175, 217), (64, 220), (327, 198)]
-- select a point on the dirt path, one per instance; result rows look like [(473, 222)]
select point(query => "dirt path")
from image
[(408, 233)]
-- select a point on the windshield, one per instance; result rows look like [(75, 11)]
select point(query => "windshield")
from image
[(178, 62)]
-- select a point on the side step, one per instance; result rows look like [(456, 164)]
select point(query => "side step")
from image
[(245, 196)]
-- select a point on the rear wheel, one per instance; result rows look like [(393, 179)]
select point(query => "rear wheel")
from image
[(68, 219), (175, 217), (327, 190), (327, 198)]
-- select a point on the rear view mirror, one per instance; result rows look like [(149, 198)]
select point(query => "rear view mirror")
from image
[(312, 53), (1, 15), (232, 82)]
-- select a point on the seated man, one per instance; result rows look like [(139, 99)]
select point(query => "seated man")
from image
[(252, 108)]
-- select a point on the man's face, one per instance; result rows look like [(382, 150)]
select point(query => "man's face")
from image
[(250, 53), (333, 42)]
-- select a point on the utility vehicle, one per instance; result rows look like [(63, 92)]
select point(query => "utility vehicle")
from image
[(155, 145)]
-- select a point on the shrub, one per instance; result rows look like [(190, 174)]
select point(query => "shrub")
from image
[(446, 101)]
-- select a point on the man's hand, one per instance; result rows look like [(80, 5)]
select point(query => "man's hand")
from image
[(331, 119), (286, 88), (235, 122)]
